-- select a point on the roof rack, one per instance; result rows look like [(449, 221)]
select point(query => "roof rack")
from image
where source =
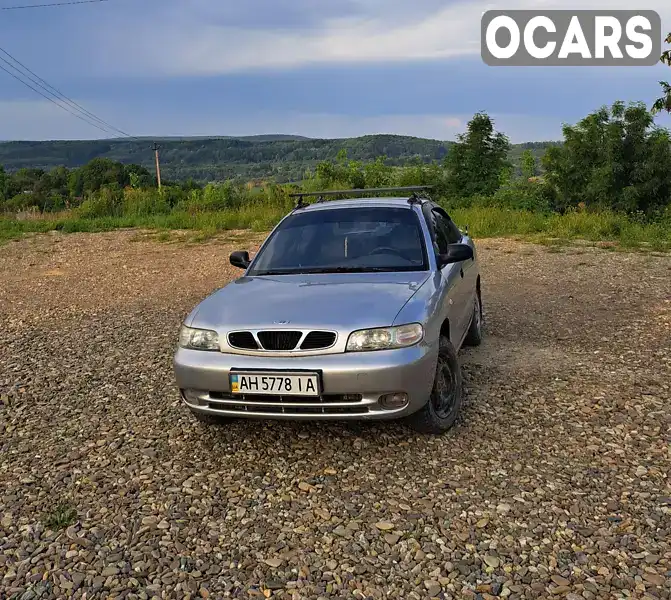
[(414, 196)]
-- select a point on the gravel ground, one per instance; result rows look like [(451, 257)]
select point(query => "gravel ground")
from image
[(554, 484)]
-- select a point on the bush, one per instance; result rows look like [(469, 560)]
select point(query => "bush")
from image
[(277, 196), (215, 197), (17, 203), (139, 202), (523, 194), (54, 203), (174, 195), (422, 174), (105, 203)]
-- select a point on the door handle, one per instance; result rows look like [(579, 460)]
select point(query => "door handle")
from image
[(461, 272)]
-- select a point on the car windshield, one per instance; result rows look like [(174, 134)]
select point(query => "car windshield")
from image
[(342, 240)]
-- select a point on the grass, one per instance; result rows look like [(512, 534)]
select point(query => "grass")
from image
[(483, 222), (61, 516), (555, 229), (163, 236)]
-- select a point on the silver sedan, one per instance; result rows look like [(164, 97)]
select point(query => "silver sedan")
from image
[(351, 309)]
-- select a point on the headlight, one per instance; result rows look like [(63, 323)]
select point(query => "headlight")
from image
[(385, 338), (198, 339)]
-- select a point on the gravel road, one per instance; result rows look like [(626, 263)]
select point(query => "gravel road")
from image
[(556, 483)]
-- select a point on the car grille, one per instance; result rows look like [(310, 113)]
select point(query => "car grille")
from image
[(280, 340), (316, 340), (332, 404), (243, 340)]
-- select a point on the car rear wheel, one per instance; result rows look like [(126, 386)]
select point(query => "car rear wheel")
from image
[(444, 405), (474, 335)]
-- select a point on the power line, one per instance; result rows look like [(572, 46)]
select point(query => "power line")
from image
[(52, 4), (51, 99), (50, 89), (58, 98)]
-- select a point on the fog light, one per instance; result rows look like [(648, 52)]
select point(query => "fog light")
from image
[(191, 396), (394, 401)]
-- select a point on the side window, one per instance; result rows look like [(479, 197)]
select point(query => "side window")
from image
[(454, 232), (451, 231), (440, 232)]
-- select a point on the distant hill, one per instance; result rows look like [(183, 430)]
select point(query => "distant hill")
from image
[(276, 156), (268, 137)]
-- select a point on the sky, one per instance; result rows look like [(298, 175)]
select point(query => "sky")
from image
[(318, 68)]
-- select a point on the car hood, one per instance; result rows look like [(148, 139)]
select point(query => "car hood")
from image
[(338, 301)]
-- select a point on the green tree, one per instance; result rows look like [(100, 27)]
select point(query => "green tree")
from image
[(134, 180), (4, 180), (24, 181), (41, 192), (137, 176), (102, 172), (377, 173), (355, 175), (419, 173), (477, 161), (528, 164), (326, 172), (614, 158), (59, 179), (664, 103), (75, 184)]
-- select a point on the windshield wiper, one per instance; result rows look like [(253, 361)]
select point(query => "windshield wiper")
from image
[(275, 272)]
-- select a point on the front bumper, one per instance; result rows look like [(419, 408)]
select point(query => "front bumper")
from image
[(353, 383)]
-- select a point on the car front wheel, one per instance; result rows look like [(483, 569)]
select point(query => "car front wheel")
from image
[(444, 405), (474, 335)]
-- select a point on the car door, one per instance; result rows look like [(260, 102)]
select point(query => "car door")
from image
[(463, 300), (470, 267), (451, 278)]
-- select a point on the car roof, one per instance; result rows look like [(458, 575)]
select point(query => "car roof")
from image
[(359, 202)]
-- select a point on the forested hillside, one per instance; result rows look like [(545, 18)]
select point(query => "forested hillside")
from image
[(278, 157), (627, 172)]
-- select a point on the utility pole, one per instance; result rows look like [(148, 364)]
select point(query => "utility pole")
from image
[(158, 166)]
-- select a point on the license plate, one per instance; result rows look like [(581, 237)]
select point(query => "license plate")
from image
[(283, 384)]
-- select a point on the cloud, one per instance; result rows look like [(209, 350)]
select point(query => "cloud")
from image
[(264, 14), (453, 122), (336, 68), (206, 42)]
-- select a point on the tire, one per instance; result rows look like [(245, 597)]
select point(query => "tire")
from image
[(474, 334), (440, 412), (209, 419)]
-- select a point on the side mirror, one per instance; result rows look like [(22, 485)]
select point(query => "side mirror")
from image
[(455, 253), (240, 259)]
